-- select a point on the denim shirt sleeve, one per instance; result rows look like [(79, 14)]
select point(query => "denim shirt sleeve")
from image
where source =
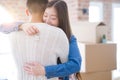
[(72, 66), (7, 28)]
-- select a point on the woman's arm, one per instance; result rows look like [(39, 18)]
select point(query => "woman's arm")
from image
[(72, 66), (10, 27), (61, 70)]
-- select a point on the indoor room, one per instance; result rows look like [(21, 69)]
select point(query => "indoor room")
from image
[(94, 23)]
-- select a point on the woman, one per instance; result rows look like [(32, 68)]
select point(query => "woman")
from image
[(56, 14)]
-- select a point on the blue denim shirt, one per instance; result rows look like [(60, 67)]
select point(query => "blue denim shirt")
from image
[(72, 66)]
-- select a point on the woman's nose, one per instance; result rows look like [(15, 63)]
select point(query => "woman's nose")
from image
[(47, 21)]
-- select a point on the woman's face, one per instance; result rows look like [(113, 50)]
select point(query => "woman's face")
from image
[(50, 16)]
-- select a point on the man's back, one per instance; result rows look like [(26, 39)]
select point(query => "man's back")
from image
[(43, 47)]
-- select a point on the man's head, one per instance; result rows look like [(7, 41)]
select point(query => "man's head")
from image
[(36, 6)]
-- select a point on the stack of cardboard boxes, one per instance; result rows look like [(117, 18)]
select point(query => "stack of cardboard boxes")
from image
[(98, 59)]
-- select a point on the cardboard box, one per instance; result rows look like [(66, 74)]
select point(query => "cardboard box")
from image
[(97, 57), (89, 32), (97, 76)]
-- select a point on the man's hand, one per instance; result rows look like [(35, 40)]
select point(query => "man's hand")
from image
[(28, 29), (34, 68)]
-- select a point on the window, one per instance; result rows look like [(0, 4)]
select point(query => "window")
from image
[(5, 16), (95, 12), (7, 65), (116, 32)]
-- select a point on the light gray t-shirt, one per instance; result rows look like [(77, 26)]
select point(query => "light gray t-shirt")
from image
[(44, 47)]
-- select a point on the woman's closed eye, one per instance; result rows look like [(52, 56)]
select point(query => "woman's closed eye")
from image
[(53, 18), (45, 16)]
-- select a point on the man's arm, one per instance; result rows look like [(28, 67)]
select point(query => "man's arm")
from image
[(10, 27)]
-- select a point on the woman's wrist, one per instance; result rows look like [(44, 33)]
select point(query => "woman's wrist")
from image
[(20, 27), (43, 71)]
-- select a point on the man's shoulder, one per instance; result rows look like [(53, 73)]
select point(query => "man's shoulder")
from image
[(44, 26)]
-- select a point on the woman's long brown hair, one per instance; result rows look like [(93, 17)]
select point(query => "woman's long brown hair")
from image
[(63, 17), (78, 76)]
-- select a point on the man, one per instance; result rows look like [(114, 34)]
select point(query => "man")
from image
[(44, 47)]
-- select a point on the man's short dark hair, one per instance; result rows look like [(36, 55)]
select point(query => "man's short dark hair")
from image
[(36, 5)]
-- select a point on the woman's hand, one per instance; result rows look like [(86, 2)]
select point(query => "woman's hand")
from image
[(28, 29), (34, 68)]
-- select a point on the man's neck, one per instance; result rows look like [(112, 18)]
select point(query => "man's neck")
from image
[(36, 19)]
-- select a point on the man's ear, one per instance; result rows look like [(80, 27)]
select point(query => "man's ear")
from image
[(27, 12)]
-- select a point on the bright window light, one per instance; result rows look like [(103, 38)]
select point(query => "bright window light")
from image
[(95, 12), (5, 16), (7, 65), (116, 32)]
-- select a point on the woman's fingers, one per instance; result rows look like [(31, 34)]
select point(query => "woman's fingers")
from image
[(29, 69), (30, 30), (33, 30), (34, 68)]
